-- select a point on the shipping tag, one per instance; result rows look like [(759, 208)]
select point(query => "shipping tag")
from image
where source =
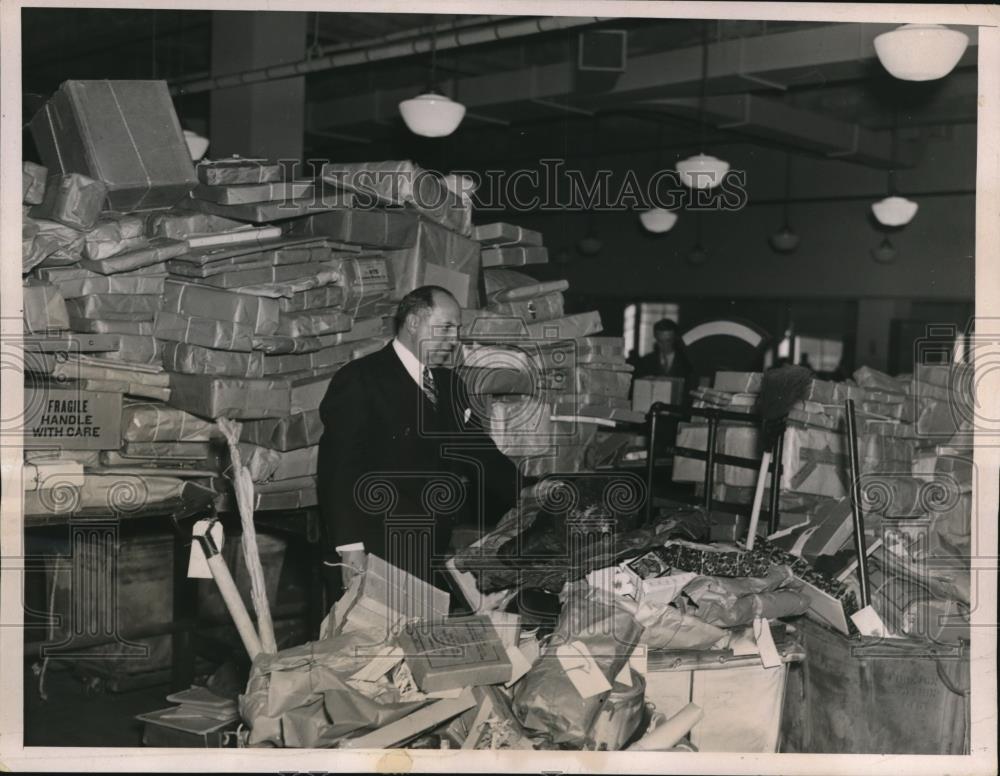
[(197, 562), (625, 676), (743, 643), (769, 656), (868, 622), (639, 659), (381, 664), (519, 665), (580, 667)]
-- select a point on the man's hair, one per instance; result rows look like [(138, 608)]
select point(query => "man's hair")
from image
[(664, 324), (419, 301)]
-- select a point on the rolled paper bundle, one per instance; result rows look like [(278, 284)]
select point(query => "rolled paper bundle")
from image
[(670, 732)]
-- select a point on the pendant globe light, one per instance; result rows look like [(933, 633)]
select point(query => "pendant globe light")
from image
[(894, 210), (658, 220), (432, 114), (702, 171), (885, 253), (785, 240), (920, 52)]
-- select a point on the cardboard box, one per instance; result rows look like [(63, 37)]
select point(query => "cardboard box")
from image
[(607, 382), (156, 422), (514, 257), (72, 419), (480, 325), (240, 194), (541, 308), (814, 461), (136, 349), (73, 200), (366, 282), (269, 274), (732, 439), (114, 234), (369, 227), (738, 382), (290, 432), (33, 177), (241, 398), (206, 332), (122, 133), (501, 234), (454, 652), (115, 307), (313, 323), (179, 225), (190, 299), (45, 310), (110, 284), (197, 360), (224, 172), (648, 390), (438, 256), (312, 299), (269, 212), (156, 251), (319, 359)]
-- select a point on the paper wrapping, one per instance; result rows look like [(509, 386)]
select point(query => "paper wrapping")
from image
[(440, 257), (156, 422), (480, 325), (546, 700), (33, 177), (97, 326), (197, 360), (188, 451), (73, 200), (113, 235), (312, 323), (87, 367), (324, 274), (52, 473), (110, 284), (189, 299), (814, 461), (403, 182), (270, 191), (136, 349), (608, 382), (366, 282), (267, 212), (301, 697), (247, 254), (224, 172), (240, 398), (45, 310), (205, 332), (269, 274), (291, 432), (115, 307), (156, 251), (124, 133), (868, 377), (50, 244), (541, 308), (319, 359), (731, 602), (313, 298), (261, 462), (179, 225), (736, 440), (128, 387), (115, 493), (514, 257), (372, 228), (501, 234)]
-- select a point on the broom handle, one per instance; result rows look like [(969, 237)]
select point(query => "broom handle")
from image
[(861, 552), (231, 597), (758, 498)]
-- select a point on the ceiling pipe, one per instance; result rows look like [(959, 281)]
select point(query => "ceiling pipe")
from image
[(382, 49)]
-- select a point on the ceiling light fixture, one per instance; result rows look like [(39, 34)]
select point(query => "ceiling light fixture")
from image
[(920, 52), (432, 114), (702, 171), (785, 240), (658, 220), (894, 210), (196, 144), (885, 253)]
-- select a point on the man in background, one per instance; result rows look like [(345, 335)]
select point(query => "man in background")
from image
[(667, 358)]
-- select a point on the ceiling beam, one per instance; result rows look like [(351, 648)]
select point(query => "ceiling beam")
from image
[(774, 120), (812, 56)]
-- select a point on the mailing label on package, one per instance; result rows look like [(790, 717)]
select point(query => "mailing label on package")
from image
[(197, 562), (381, 664), (580, 667), (519, 664), (769, 656), (743, 644)]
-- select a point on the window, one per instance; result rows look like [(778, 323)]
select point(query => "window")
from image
[(823, 355), (639, 333)]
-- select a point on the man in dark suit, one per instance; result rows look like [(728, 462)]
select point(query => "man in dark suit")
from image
[(403, 457), (667, 358)]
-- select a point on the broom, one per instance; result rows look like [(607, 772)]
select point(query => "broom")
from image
[(780, 389)]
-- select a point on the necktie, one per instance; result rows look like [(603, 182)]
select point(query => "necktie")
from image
[(430, 389)]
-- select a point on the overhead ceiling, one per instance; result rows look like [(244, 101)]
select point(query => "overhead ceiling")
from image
[(814, 88)]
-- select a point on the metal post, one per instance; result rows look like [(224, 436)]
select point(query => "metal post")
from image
[(651, 460), (860, 547), (713, 428), (773, 517)]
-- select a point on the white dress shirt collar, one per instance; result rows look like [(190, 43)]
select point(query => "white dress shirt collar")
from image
[(412, 364)]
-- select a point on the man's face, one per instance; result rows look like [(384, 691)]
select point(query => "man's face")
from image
[(665, 341), (436, 332)]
